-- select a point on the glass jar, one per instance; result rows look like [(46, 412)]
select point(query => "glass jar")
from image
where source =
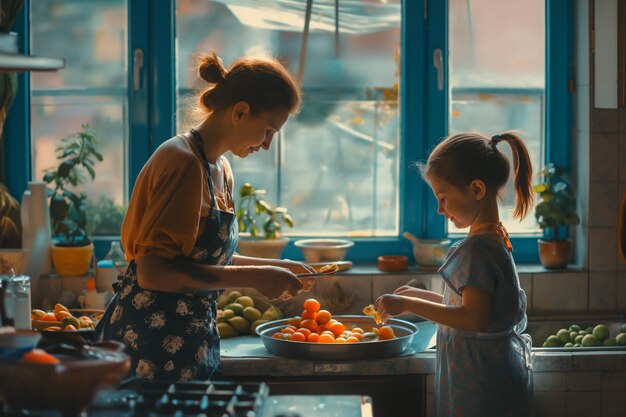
[(17, 299)]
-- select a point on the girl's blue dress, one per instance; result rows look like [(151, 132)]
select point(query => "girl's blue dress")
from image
[(484, 374)]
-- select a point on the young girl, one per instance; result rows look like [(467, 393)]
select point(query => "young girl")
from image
[(483, 361)]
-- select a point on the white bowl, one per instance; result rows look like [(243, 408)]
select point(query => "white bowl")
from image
[(324, 250), (431, 252)]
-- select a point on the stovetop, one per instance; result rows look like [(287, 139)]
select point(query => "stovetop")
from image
[(137, 398)]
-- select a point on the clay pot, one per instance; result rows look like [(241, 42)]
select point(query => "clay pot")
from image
[(555, 254)]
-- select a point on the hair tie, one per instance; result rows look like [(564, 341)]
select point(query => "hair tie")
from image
[(494, 141)]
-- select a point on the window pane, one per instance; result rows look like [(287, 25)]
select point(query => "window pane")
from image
[(91, 89), (497, 80), (336, 164)]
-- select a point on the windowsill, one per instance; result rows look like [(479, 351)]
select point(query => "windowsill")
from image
[(372, 269)]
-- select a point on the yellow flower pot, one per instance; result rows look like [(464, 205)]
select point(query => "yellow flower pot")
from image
[(72, 260)]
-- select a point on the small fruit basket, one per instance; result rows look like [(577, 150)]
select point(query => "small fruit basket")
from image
[(64, 319)]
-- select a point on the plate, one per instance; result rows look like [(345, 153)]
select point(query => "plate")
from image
[(42, 324), (403, 330), (343, 265)]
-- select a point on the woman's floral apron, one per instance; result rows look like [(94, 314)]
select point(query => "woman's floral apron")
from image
[(173, 336)]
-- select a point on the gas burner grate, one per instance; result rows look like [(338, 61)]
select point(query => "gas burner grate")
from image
[(182, 399)]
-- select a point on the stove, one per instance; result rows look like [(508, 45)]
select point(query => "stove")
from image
[(138, 398)]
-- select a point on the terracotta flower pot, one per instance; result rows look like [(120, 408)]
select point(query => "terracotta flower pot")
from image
[(554, 254)]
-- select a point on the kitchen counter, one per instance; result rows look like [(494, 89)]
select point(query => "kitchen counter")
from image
[(247, 356)]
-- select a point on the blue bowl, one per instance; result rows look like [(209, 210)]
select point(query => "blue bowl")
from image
[(14, 345)]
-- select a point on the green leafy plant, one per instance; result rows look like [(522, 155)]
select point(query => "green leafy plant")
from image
[(105, 217), (557, 206), (76, 154), (251, 207)]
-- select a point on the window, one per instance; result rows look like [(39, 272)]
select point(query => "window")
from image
[(374, 99), (336, 164)]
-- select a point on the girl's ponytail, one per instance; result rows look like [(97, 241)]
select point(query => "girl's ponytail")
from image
[(523, 171)]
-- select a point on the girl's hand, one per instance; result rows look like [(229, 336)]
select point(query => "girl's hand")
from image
[(275, 282), (389, 305), (405, 290)]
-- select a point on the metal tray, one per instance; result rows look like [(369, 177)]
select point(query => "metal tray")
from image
[(330, 351)]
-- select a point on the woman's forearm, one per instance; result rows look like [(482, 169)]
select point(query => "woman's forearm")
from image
[(455, 316), (183, 276), (424, 295), (240, 260)]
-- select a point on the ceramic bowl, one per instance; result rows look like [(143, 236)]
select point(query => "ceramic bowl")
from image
[(324, 250), (393, 263), (431, 253), (69, 386), (14, 344)]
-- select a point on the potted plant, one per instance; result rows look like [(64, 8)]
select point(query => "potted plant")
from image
[(266, 241), (556, 210), (72, 249)]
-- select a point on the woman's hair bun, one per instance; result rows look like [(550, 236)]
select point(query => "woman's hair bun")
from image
[(211, 69)]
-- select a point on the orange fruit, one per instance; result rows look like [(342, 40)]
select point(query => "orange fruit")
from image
[(298, 337), (385, 333), (277, 335), (312, 305), (323, 316), (325, 338), (337, 328), (357, 330), (295, 321), (40, 356), (285, 330), (62, 314), (312, 337), (340, 340), (352, 339), (70, 327), (306, 314), (58, 308), (304, 331), (49, 317), (357, 336), (309, 324)]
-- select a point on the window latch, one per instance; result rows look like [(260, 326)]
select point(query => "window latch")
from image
[(137, 66)]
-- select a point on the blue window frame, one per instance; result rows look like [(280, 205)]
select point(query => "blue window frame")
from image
[(423, 118)]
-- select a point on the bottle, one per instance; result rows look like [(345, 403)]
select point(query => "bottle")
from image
[(108, 269)]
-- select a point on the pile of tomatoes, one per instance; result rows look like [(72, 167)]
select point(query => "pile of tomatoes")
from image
[(318, 326)]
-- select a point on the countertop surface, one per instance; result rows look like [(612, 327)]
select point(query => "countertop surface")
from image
[(246, 355)]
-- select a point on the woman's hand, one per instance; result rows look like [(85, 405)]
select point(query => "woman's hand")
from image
[(389, 305), (294, 266), (275, 282)]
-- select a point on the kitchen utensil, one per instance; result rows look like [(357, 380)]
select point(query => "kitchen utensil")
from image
[(404, 332), (429, 253), (68, 386), (324, 250), (393, 263)]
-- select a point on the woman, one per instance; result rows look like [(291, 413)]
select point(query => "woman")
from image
[(180, 231)]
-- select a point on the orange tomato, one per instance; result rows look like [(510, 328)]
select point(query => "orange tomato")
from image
[(385, 333), (323, 316), (312, 305), (337, 328), (277, 335), (325, 338), (306, 314), (285, 330), (312, 337), (298, 337), (40, 356)]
